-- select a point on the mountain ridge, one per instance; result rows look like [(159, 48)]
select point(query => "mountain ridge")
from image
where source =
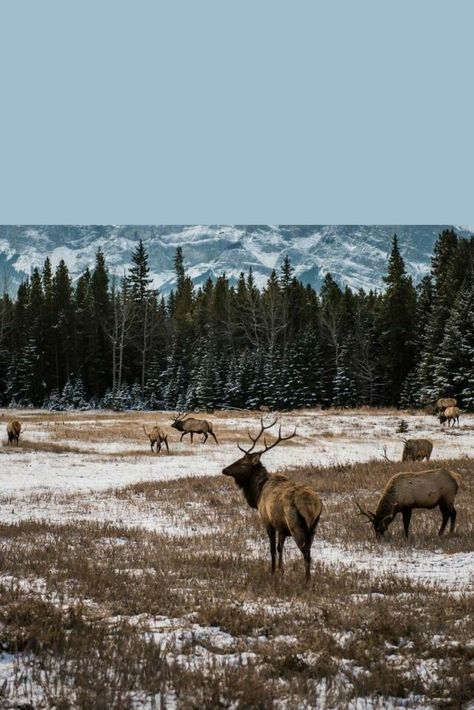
[(355, 255)]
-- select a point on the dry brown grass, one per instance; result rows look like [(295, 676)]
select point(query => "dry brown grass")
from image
[(26, 446), (347, 635)]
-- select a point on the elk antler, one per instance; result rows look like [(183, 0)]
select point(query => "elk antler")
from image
[(146, 431), (384, 455), (367, 513), (179, 416), (263, 428)]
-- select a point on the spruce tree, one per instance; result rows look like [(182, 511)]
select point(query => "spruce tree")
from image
[(139, 274), (397, 325), (453, 363)]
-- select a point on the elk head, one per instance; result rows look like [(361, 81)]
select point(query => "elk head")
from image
[(242, 469), (177, 422), (380, 524)]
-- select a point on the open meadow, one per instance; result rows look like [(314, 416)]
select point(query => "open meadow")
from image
[(135, 580)]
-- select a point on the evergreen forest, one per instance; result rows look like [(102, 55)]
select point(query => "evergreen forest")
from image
[(115, 342)]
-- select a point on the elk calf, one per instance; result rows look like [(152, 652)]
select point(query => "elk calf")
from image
[(450, 414), (417, 449), (406, 491), (285, 508), (157, 436), (14, 430), (193, 426)]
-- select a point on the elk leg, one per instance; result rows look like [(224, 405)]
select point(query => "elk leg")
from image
[(181, 437), (166, 444), (205, 437), (192, 436), (406, 520), (453, 521), (151, 445), (158, 447), (303, 540), (307, 561), (212, 434), (281, 542), (272, 535), (445, 512)]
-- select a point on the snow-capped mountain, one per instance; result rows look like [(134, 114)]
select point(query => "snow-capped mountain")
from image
[(355, 255)]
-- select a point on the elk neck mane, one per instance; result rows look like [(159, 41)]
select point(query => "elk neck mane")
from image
[(252, 488), (387, 500)]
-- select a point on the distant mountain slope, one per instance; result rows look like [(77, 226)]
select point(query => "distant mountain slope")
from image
[(355, 255)]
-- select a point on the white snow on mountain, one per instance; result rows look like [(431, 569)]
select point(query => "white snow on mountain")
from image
[(355, 255)]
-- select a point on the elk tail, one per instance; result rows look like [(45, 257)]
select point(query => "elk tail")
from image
[(308, 511), (458, 478)]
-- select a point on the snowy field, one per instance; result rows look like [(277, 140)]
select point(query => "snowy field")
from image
[(108, 451), (112, 450), (83, 500)]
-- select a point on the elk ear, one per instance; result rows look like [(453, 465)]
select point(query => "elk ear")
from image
[(255, 459)]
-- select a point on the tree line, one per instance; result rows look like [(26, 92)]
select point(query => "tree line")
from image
[(116, 342)]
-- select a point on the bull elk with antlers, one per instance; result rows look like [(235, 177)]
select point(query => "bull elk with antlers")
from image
[(286, 508), (157, 436), (192, 426), (14, 429), (417, 449), (406, 491)]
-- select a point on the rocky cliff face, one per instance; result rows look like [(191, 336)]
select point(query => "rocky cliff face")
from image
[(355, 255)]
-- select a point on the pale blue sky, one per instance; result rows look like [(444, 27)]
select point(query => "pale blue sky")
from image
[(236, 112)]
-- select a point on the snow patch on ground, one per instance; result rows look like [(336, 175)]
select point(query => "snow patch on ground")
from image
[(323, 439)]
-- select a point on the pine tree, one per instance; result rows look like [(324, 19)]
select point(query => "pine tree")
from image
[(453, 363), (101, 305), (152, 391), (344, 390), (53, 401), (179, 269), (139, 274), (441, 301), (136, 400), (67, 395), (397, 327), (63, 325), (79, 400)]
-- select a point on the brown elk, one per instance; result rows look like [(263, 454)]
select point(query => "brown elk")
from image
[(450, 414), (14, 430), (444, 403), (417, 449), (285, 507), (157, 436), (406, 491), (192, 426)]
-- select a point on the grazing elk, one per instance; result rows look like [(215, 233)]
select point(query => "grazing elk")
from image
[(444, 403), (193, 426), (417, 449), (406, 491), (14, 430), (287, 508), (157, 436), (450, 414)]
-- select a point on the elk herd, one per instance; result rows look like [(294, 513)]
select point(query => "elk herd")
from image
[(290, 509)]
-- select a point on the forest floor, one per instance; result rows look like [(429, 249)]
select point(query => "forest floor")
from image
[(132, 580)]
